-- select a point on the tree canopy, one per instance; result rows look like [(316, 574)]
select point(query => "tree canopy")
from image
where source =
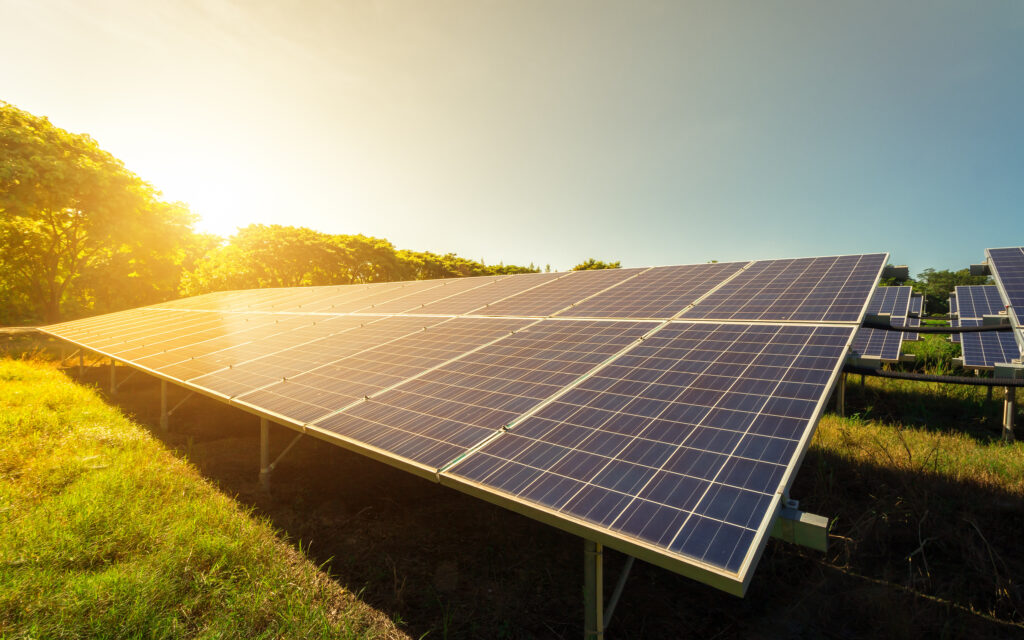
[(591, 263), (77, 229), (936, 285)]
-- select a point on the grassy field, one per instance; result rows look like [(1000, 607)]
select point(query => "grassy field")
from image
[(104, 534), (927, 502)]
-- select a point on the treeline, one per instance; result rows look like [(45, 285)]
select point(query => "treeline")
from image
[(936, 286), (80, 234)]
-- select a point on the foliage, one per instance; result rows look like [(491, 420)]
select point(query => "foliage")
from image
[(105, 534), (591, 263), (937, 285), (282, 256), (77, 230)]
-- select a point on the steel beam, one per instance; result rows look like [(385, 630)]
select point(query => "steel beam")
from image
[(113, 377), (593, 591), (163, 406), (841, 394), (264, 454), (1009, 409)]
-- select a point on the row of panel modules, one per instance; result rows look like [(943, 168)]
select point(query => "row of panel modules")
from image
[(660, 411)]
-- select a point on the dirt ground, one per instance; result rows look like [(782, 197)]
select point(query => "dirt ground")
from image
[(446, 565)]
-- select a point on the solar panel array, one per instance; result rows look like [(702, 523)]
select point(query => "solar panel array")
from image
[(879, 343), (981, 350), (662, 411)]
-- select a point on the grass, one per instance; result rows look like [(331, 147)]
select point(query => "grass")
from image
[(105, 533)]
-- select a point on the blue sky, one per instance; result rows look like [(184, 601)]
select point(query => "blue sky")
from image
[(652, 133)]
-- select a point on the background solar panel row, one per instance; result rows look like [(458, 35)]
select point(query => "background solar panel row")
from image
[(435, 418), (911, 337), (661, 292), (682, 443), (832, 289), (917, 304), (561, 293), (879, 343)]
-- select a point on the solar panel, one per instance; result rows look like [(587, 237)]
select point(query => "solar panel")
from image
[(477, 300), (661, 292), (1008, 270), (561, 293), (984, 350), (879, 343), (894, 301), (316, 392), (831, 289), (912, 337), (430, 374), (977, 301), (916, 305), (682, 444), (435, 418)]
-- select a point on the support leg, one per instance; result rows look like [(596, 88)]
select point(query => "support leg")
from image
[(264, 454), (163, 406), (1009, 409), (81, 365), (593, 595), (113, 377), (988, 394), (841, 395)]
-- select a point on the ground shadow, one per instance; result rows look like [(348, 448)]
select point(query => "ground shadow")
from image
[(911, 556)]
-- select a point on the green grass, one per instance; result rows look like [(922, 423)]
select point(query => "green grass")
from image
[(105, 533)]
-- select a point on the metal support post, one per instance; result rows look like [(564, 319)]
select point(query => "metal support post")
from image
[(988, 394), (617, 592), (1009, 408), (264, 454), (163, 406), (81, 364), (593, 592), (841, 395), (113, 377)]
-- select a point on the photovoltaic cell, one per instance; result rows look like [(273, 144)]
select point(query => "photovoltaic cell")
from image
[(879, 343), (682, 443), (894, 301), (561, 293), (832, 289), (314, 393), (435, 418), (661, 292)]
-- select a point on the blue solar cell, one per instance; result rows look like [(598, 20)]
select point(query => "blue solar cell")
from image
[(832, 289), (894, 301), (916, 304), (878, 343), (681, 443), (559, 294)]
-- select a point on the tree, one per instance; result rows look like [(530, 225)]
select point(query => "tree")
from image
[(937, 285), (591, 263), (77, 229)]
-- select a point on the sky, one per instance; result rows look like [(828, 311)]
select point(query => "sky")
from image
[(552, 131)]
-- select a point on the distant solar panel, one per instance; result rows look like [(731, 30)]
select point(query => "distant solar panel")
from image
[(894, 301), (911, 337), (984, 350), (977, 301), (661, 292), (879, 343), (683, 443), (561, 293), (619, 416), (916, 304), (832, 289)]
